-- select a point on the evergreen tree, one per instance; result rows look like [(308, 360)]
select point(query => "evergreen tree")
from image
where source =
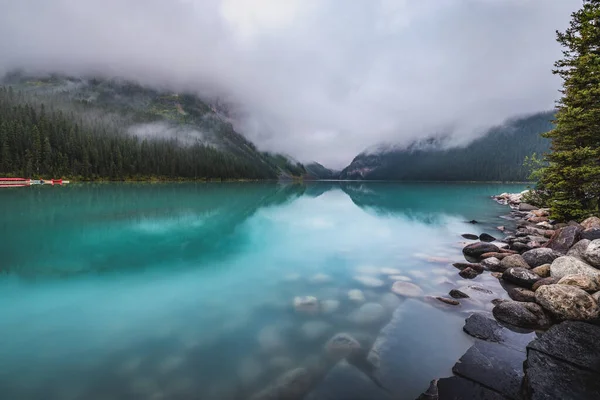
[(572, 178)]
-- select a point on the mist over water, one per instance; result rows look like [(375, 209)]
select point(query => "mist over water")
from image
[(183, 291)]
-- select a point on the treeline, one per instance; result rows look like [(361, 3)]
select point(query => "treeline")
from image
[(40, 141)]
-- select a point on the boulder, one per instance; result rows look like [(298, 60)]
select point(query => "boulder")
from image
[(314, 330), (590, 234), (521, 294), (462, 265), (544, 281), (567, 302), (592, 253), (520, 276), (368, 314), (591, 222), (541, 212), (527, 207), (543, 270), (596, 296), (537, 220), (544, 225), (294, 384), (484, 237), (563, 239), (498, 255), (584, 282), (306, 304), (496, 275), (519, 246), (470, 236), (457, 294), (468, 273), (578, 249), (448, 301), (341, 345), (479, 248), (492, 264), (356, 295), (537, 257), (567, 265), (513, 261), (522, 315), (369, 281), (407, 289)]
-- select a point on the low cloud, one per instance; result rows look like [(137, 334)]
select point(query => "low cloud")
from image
[(317, 79)]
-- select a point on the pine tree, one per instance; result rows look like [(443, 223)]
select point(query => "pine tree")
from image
[(572, 178)]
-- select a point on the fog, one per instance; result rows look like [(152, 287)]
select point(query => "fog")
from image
[(316, 79)]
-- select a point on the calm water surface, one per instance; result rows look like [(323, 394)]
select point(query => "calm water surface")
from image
[(185, 291)]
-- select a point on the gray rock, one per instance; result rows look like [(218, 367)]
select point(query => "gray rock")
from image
[(521, 294), (368, 314), (543, 270), (520, 276), (567, 302), (527, 207), (492, 264), (578, 249), (544, 281), (482, 327), (470, 236), (369, 281), (479, 248), (584, 282), (591, 234), (456, 387), (494, 366), (596, 296), (537, 257), (513, 261), (293, 385), (592, 253), (522, 315), (591, 222), (457, 294), (563, 239), (484, 237), (451, 302), (341, 345), (567, 265), (406, 289), (389, 301)]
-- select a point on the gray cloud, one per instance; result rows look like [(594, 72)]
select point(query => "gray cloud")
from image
[(317, 79)]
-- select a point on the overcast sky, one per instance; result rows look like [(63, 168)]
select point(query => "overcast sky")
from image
[(317, 79)]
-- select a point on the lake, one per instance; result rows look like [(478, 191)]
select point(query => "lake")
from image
[(186, 291)]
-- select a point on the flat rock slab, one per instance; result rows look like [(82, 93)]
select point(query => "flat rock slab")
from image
[(575, 342), (482, 327), (494, 366), (345, 381), (455, 388), (548, 378)]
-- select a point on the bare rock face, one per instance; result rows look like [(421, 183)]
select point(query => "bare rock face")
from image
[(567, 265), (578, 249), (567, 302), (513, 261), (592, 253), (584, 282), (523, 315), (591, 222), (563, 239), (543, 270), (537, 257)]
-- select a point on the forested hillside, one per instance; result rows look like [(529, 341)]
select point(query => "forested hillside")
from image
[(94, 129), (496, 156)]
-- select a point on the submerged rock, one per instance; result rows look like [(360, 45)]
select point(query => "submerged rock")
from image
[(448, 301), (567, 265), (341, 345), (369, 281), (400, 278), (468, 273), (406, 289), (457, 294), (306, 304), (389, 301), (320, 278), (329, 306), (270, 338), (567, 302), (293, 385), (470, 236), (479, 248), (356, 295), (484, 237), (368, 314), (313, 330), (537, 257), (520, 276), (523, 315), (390, 271)]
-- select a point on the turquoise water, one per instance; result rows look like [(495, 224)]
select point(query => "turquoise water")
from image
[(185, 291)]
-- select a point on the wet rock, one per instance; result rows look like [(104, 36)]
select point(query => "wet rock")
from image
[(520, 276), (306, 304), (341, 345), (407, 289), (522, 315), (496, 275), (592, 253), (457, 294), (369, 281), (563, 239), (448, 301), (482, 327), (527, 207), (519, 246), (473, 221), (390, 271), (501, 228), (513, 261), (470, 236), (596, 296), (590, 234), (498, 301), (479, 248), (476, 266), (521, 294), (356, 295), (270, 338), (497, 255), (567, 302), (389, 301), (492, 264), (293, 385), (591, 222), (329, 306), (543, 270), (537, 257), (368, 314), (484, 237), (567, 265), (456, 387), (544, 281), (468, 273), (584, 282), (313, 330), (400, 278)]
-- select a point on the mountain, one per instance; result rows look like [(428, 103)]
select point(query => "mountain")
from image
[(496, 156), (317, 171), (90, 128)]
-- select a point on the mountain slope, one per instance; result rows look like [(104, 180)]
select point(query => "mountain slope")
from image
[(497, 156), (317, 171)]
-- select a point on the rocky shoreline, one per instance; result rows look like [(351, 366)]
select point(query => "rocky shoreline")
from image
[(542, 344)]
